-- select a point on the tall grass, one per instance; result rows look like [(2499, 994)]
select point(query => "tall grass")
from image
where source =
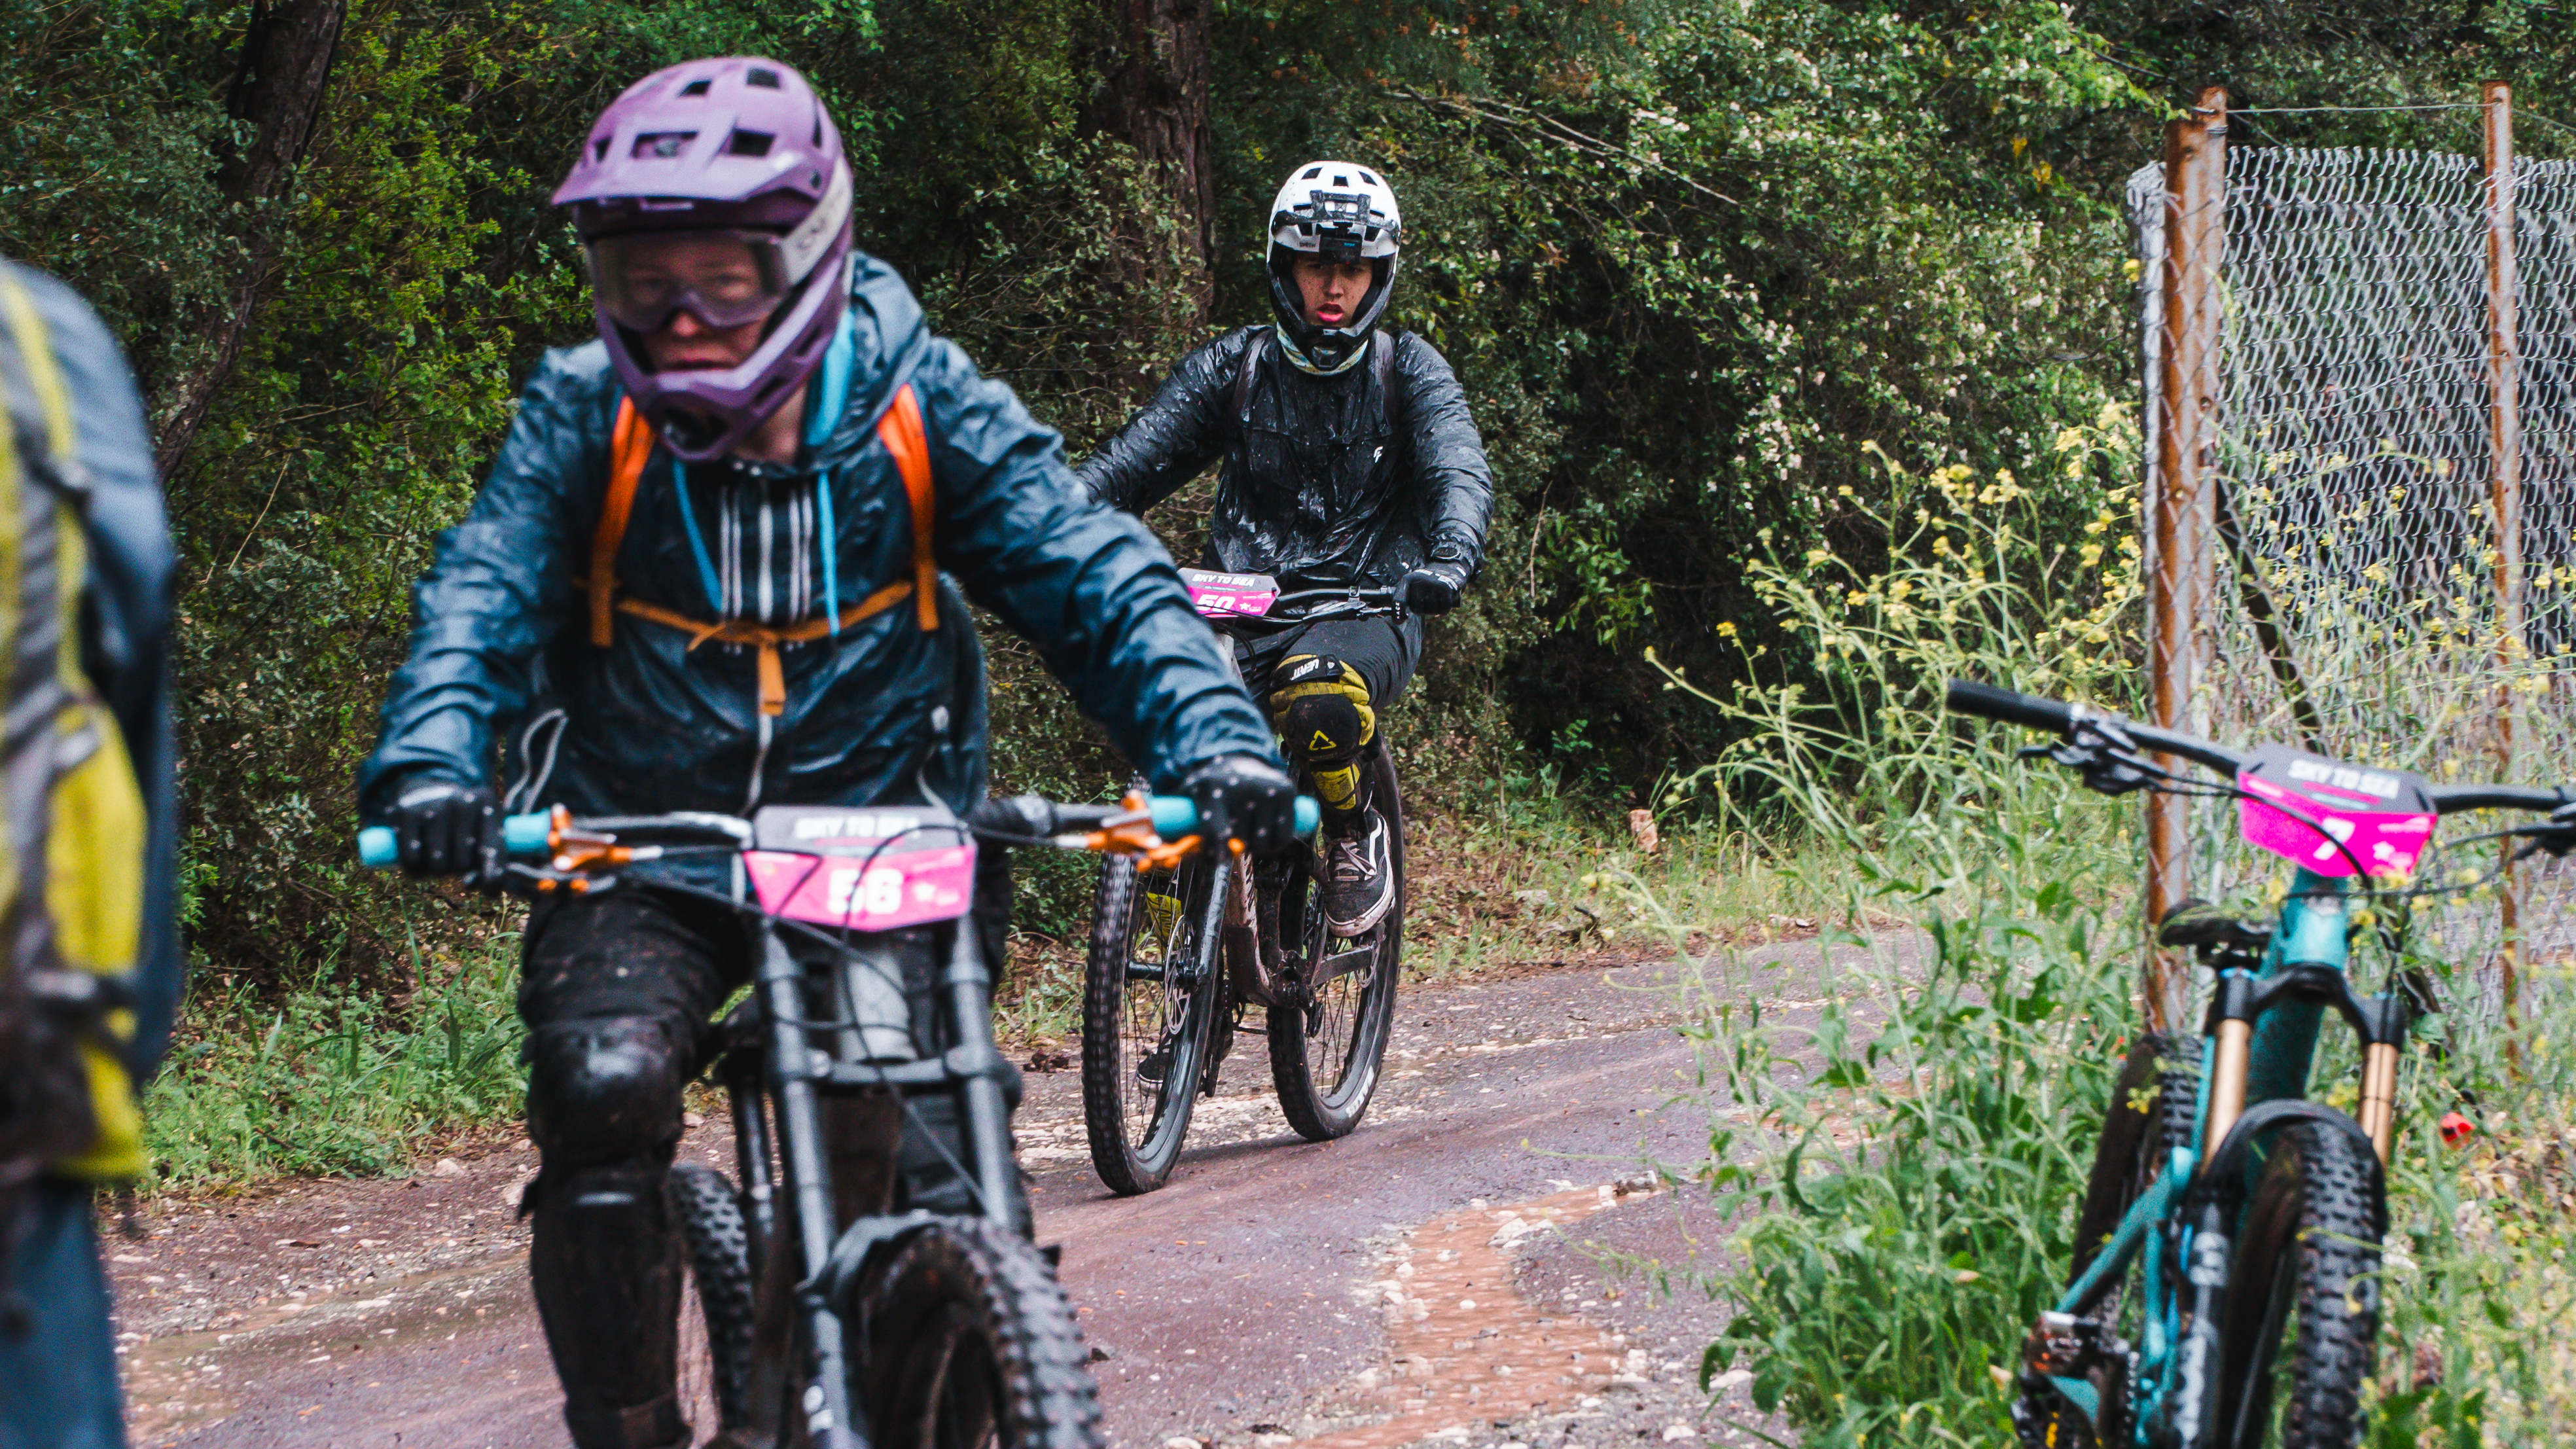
[(332, 1079), (1910, 1185)]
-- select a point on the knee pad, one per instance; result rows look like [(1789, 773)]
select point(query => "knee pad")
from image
[(603, 1090), (1322, 710)]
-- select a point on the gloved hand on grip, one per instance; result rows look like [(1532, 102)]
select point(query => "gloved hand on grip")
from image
[(447, 829), (1246, 798), (1433, 588)]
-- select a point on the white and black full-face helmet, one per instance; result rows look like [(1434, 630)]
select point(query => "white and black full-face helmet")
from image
[(1341, 212)]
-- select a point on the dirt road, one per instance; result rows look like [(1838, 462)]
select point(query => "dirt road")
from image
[(1466, 1269)]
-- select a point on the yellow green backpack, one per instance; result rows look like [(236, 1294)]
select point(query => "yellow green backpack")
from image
[(71, 814)]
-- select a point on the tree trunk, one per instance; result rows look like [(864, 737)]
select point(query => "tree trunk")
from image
[(1153, 95), (285, 67)]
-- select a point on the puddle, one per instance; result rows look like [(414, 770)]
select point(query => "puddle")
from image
[(187, 1381), (1464, 1348)]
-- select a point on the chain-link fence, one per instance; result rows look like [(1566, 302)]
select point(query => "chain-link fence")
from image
[(2344, 443)]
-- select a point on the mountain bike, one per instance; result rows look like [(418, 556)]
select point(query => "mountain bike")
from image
[(827, 1320), (1178, 951), (2227, 1250)]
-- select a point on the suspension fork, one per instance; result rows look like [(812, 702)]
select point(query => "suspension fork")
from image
[(829, 1415), (976, 1061), (744, 1095)]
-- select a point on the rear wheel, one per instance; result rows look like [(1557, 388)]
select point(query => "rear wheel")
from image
[(2153, 1105), (715, 1301), (1328, 1028), (970, 1343), (2303, 1293), (1148, 1011)]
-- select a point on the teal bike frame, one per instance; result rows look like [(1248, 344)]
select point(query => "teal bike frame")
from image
[(2279, 1052), (2258, 1044)]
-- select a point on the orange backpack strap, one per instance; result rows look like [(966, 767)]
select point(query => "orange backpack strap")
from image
[(630, 447), (901, 432)]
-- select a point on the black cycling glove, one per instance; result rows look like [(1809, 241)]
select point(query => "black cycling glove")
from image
[(1434, 588), (447, 829), (1246, 798)]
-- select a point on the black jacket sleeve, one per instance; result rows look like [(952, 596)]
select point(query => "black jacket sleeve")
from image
[(1455, 485), (500, 586), (1176, 436)]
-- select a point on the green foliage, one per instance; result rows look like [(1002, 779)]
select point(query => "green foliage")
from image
[(328, 1078)]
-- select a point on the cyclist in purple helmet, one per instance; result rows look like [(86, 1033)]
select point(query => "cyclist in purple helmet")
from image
[(700, 544)]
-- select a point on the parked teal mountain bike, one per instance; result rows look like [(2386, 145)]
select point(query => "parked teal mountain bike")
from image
[(2226, 1286)]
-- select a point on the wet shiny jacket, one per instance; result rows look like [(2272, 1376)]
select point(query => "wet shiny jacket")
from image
[(501, 626), (125, 624), (1326, 482)]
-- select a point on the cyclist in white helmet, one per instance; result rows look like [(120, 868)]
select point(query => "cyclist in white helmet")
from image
[(1350, 461)]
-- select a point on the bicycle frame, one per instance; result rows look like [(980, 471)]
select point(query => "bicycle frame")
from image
[(1242, 604), (2257, 1053), (2341, 825), (798, 1078)]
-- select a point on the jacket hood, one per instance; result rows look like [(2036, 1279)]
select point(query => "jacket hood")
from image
[(888, 338)]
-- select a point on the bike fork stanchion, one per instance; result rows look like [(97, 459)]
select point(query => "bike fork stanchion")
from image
[(744, 1093), (830, 1417), (978, 1063)]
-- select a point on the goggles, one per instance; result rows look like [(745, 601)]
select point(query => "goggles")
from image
[(724, 278)]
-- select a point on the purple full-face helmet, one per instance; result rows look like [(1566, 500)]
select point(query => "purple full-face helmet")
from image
[(717, 187)]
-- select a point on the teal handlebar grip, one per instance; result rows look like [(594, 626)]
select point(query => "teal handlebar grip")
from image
[(526, 834), (520, 835), (1178, 815)]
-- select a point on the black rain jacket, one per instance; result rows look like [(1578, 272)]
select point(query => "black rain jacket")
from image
[(1326, 482), (501, 624)]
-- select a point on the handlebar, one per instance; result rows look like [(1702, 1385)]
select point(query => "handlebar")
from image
[(1174, 816), (1302, 606), (2450, 799), (1967, 696)]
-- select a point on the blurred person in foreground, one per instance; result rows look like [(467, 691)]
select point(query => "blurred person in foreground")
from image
[(89, 946)]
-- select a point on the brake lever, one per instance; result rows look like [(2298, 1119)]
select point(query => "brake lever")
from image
[(2108, 762)]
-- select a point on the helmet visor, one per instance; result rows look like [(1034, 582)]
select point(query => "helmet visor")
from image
[(722, 278)]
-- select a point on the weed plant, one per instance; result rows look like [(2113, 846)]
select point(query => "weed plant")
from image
[(1907, 1166), (331, 1079)]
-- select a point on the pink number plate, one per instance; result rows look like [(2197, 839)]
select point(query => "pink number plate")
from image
[(2331, 818), (1220, 596), (824, 866)]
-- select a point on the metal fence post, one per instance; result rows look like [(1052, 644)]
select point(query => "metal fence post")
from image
[(2179, 507), (2504, 435)]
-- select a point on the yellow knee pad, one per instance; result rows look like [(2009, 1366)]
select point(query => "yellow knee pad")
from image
[(1322, 711)]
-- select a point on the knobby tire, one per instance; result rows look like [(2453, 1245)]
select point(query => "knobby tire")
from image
[(1134, 1138), (1325, 1077), (2308, 1251), (716, 1306), (971, 1343)]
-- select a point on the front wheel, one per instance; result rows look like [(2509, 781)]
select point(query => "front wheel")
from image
[(715, 1302), (2303, 1293), (1149, 1003), (971, 1345), (1329, 1025)]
